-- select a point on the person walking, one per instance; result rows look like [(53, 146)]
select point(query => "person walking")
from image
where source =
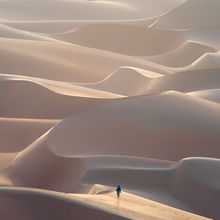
[(118, 190)]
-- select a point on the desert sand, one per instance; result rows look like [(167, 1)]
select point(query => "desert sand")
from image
[(96, 94)]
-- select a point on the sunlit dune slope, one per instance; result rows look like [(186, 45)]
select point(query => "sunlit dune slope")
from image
[(142, 126)]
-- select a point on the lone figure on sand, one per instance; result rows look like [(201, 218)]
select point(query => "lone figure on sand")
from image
[(118, 190)]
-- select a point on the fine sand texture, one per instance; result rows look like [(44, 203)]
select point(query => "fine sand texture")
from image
[(100, 93)]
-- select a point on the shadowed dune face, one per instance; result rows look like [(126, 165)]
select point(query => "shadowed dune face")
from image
[(100, 93), (39, 205), (193, 175), (123, 39), (21, 209), (53, 173), (17, 134)]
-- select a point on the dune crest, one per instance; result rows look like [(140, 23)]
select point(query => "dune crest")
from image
[(185, 55), (138, 81)]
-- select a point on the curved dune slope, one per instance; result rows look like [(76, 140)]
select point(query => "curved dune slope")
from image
[(72, 10), (110, 170), (209, 36), (63, 62), (53, 27), (188, 178), (193, 177), (211, 94), (36, 204), (12, 138), (191, 14), (84, 206), (61, 88), (66, 10), (54, 172), (188, 81), (25, 99), (207, 61), (136, 81), (124, 39), (10, 32), (184, 55), (142, 120)]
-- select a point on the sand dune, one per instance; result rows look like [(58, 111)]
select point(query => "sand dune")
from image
[(24, 99), (66, 10), (98, 207), (208, 36), (207, 61), (10, 32), (59, 26), (137, 81), (185, 55), (45, 176), (193, 176), (16, 134), (147, 173), (72, 10), (61, 88), (130, 178), (97, 132), (124, 39), (41, 204), (63, 62), (135, 204), (100, 93), (190, 15), (211, 94), (187, 81)]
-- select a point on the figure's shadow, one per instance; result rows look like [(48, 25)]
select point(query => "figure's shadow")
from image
[(118, 204)]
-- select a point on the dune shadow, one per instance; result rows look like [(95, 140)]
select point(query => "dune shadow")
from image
[(105, 191)]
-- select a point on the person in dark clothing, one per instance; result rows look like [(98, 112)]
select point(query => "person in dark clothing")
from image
[(118, 190)]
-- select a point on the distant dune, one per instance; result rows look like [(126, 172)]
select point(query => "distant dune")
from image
[(191, 14), (124, 39), (210, 94), (137, 81), (185, 55), (188, 81), (63, 62)]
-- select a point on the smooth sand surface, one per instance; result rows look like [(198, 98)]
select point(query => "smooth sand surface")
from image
[(210, 94), (137, 81), (100, 93), (184, 55), (136, 41)]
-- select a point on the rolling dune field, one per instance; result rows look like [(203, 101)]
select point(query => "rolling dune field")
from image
[(100, 93)]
